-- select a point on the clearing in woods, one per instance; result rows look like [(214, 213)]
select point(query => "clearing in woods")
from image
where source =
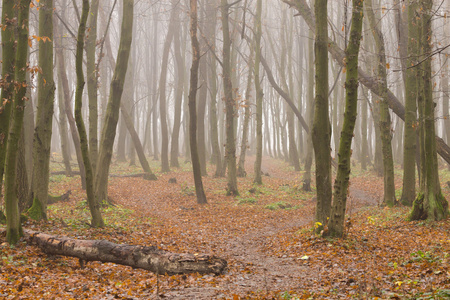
[(264, 234)]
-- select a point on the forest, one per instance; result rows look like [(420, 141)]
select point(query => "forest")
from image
[(224, 149)]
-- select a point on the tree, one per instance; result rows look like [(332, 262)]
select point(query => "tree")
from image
[(162, 92), (94, 206), (429, 203), (337, 218), (44, 114), (230, 148), (385, 119), (321, 134), (115, 95), (201, 198), (92, 81), (8, 62), (410, 133), (14, 229), (259, 94)]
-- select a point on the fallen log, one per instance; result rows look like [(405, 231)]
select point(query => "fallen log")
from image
[(148, 258)]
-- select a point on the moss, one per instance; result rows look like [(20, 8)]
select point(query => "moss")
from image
[(2, 218), (36, 212)]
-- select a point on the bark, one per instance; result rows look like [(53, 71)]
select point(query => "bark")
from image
[(143, 257), (341, 184), (310, 112), (365, 159), (13, 226), (259, 94), (174, 147), (244, 142), (429, 203), (385, 121), (94, 206), (92, 82), (8, 63), (410, 133), (137, 143), (44, 114), (230, 148), (216, 153), (162, 95), (201, 198), (201, 107), (364, 77), (61, 69), (115, 95), (320, 133)]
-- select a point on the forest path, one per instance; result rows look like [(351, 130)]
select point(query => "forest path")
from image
[(241, 234)]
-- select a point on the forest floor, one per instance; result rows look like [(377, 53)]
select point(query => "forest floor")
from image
[(265, 234)]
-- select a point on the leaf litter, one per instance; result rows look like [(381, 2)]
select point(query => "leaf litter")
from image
[(271, 253)]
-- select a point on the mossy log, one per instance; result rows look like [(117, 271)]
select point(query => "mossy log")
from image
[(148, 258)]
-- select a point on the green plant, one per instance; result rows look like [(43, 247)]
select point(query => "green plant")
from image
[(280, 205), (248, 200)]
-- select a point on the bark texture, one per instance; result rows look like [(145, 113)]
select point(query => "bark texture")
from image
[(113, 107), (337, 218), (201, 198), (148, 258)]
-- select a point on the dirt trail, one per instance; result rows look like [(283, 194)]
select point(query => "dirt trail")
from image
[(251, 269)]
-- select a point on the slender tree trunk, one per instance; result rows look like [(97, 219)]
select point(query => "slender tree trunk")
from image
[(230, 148), (310, 113), (213, 123), (13, 226), (44, 114), (92, 81), (259, 94), (8, 63), (61, 69), (162, 95), (321, 124), (94, 206), (385, 121), (247, 103), (365, 159), (337, 218), (174, 150), (201, 198), (112, 111), (410, 133)]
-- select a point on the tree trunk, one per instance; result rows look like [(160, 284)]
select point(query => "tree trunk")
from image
[(148, 258), (137, 143), (115, 95), (310, 113), (429, 203), (385, 121), (321, 124), (162, 95), (13, 226), (201, 198), (92, 81), (44, 114), (94, 206), (337, 218), (410, 133), (174, 147), (8, 63), (61, 69), (247, 103), (230, 148), (259, 94)]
